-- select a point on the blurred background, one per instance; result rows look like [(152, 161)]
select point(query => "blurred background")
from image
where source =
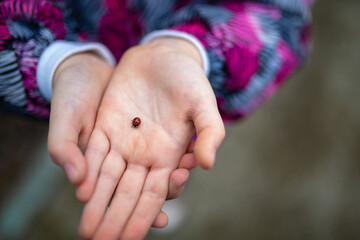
[(289, 171)]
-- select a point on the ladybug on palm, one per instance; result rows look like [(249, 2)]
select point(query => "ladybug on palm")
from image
[(136, 122)]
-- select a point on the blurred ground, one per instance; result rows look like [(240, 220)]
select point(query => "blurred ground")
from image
[(290, 171)]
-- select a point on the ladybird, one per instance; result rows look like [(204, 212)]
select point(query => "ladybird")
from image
[(136, 122)]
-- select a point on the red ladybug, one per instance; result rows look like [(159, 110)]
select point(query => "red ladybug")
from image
[(136, 122)]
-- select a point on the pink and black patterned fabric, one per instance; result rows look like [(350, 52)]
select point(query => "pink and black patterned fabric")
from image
[(253, 45)]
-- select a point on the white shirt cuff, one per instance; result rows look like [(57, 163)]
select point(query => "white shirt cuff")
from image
[(186, 36), (57, 52)]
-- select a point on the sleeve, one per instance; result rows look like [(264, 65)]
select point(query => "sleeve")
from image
[(56, 53), (27, 29), (252, 46)]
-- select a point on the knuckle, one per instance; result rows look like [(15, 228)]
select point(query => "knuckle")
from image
[(128, 195), (110, 176), (55, 151), (154, 194), (222, 133), (175, 193), (98, 148)]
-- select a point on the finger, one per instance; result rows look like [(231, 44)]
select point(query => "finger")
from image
[(190, 148), (177, 181), (161, 220), (123, 203), (63, 147), (149, 205), (210, 134), (96, 151), (84, 137), (111, 171), (188, 161)]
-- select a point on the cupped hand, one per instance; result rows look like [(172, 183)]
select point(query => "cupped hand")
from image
[(163, 84), (78, 86)]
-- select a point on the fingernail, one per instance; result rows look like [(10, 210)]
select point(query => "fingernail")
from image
[(70, 172)]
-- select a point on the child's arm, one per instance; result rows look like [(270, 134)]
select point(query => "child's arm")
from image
[(164, 85)]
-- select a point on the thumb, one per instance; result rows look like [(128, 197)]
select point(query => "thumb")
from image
[(210, 134), (63, 148)]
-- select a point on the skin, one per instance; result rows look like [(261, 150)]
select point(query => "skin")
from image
[(78, 87), (163, 83), (73, 112)]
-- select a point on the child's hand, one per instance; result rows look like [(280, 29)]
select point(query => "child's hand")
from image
[(78, 87), (163, 84), (79, 84)]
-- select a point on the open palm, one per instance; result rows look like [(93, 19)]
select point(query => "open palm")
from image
[(131, 166)]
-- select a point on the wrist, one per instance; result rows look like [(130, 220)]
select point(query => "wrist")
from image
[(77, 62), (177, 45)]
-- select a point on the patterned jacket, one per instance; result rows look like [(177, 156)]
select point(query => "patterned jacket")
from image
[(252, 45)]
